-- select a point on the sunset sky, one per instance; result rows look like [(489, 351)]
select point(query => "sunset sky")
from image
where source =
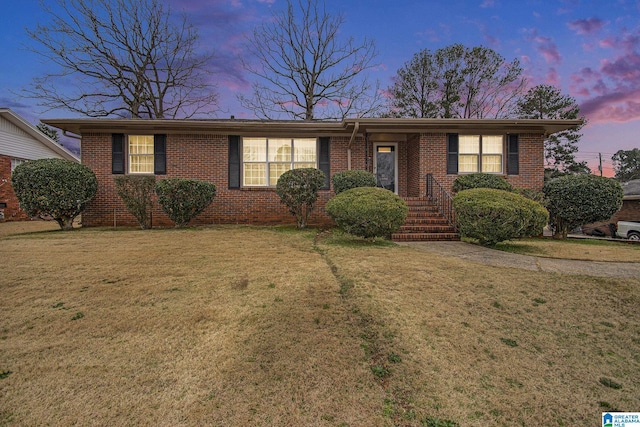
[(588, 49)]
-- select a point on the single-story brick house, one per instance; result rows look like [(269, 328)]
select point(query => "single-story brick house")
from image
[(244, 158), (20, 141)]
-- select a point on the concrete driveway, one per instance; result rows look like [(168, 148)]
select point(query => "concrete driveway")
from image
[(497, 258)]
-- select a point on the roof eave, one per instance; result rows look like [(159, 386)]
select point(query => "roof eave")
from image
[(37, 135)]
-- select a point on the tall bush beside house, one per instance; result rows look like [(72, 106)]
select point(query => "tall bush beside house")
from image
[(575, 200), (368, 212), (492, 216), (184, 199), (480, 180), (298, 190), (55, 189), (136, 192), (349, 179)]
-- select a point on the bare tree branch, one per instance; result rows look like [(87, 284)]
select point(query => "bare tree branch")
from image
[(305, 71), (122, 58)]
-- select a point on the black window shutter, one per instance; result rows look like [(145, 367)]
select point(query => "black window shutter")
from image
[(452, 153), (117, 153), (234, 161), (160, 154), (324, 162), (513, 156)]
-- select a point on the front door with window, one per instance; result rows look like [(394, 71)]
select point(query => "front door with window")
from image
[(385, 166)]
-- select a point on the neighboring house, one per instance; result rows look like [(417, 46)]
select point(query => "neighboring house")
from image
[(19, 142), (244, 158), (630, 210)]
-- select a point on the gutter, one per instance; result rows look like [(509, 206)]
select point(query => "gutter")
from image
[(353, 137)]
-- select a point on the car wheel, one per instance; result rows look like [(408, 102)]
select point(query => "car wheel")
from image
[(633, 235)]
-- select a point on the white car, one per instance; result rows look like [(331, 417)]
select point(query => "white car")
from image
[(629, 229)]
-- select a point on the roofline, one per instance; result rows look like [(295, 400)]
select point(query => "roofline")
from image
[(345, 127), (12, 117)]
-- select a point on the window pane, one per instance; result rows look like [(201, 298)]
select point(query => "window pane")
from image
[(277, 169), (279, 150), (492, 144), (467, 163), (305, 150), (469, 144), (140, 153), (254, 149), (254, 174), (492, 163)]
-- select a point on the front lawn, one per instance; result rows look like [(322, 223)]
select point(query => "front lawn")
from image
[(579, 249), (264, 326)]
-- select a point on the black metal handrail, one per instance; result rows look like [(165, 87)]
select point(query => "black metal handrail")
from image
[(442, 199)]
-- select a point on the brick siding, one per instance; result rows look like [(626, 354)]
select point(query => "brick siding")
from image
[(12, 212), (205, 157)]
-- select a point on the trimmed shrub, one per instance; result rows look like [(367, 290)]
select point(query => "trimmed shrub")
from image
[(184, 199), (346, 180), (480, 180), (536, 196), (368, 212), (298, 190), (492, 216), (575, 200), (55, 189), (136, 192)]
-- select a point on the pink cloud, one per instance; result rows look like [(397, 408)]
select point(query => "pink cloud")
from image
[(607, 42), (586, 26), (613, 107), (552, 77), (548, 49)]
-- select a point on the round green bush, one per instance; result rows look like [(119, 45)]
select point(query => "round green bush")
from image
[(480, 180), (368, 212), (346, 180), (184, 199), (55, 189), (492, 216), (575, 200), (298, 190)]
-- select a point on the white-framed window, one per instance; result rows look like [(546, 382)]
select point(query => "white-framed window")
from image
[(480, 153), (140, 152), (265, 159), (15, 162)]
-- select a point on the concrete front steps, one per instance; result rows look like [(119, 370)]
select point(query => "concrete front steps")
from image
[(424, 223)]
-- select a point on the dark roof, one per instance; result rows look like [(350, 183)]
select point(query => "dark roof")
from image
[(345, 127), (631, 189)]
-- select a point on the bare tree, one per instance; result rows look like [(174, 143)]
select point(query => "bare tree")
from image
[(127, 58), (305, 71)]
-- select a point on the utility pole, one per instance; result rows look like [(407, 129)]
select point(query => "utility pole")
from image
[(600, 165)]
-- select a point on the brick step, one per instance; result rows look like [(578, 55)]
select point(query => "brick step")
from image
[(419, 202), (424, 214), (428, 220), (424, 237), (426, 229)]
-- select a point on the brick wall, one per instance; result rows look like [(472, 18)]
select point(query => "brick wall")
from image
[(204, 157), (433, 152), (12, 212)]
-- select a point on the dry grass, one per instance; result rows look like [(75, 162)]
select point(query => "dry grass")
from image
[(22, 227), (253, 326), (579, 249)]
